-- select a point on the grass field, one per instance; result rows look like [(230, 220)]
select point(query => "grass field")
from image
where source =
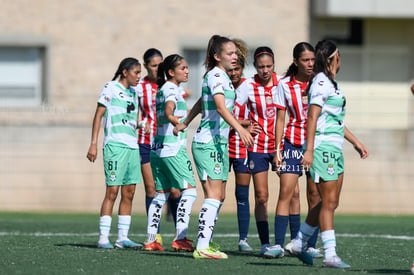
[(66, 244)]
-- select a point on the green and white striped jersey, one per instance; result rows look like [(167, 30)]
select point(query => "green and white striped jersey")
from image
[(213, 126), (166, 144), (120, 118), (330, 124)]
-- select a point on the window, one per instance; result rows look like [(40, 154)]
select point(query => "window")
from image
[(22, 70), (371, 50)]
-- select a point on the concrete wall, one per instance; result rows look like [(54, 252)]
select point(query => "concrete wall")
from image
[(43, 148)]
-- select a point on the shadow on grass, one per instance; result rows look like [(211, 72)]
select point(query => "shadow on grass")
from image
[(275, 263), (78, 245), (384, 271)]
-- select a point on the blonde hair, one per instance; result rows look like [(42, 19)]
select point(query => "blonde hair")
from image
[(242, 51)]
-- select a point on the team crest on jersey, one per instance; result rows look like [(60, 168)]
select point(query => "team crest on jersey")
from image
[(217, 169), (251, 165), (330, 169), (269, 100), (113, 176), (305, 99), (107, 99), (270, 112)]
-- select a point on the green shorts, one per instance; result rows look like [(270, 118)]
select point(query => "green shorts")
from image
[(172, 172), (211, 160), (122, 165), (327, 164)]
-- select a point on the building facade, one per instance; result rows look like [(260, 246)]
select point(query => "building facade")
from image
[(55, 57)]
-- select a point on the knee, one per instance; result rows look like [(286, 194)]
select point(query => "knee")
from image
[(262, 200), (242, 193), (313, 197), (331, 204)]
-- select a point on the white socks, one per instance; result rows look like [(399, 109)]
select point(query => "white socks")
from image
[(124, 223), (188, 197), (154, 215), (304, 234), (329, 243), (206, 220), (104, 228)]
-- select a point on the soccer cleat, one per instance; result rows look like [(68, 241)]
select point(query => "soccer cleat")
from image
[(335, 262), (208, 253), (288, 248), (158, 238), (183, 244), (314, 252), (107, 245), (153, 246), (275, 251), (302, 255), (214, 246), (244, 246), (263, 249), (128, 244)]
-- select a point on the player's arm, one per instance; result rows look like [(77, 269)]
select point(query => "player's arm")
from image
[(245, 136), (359, 147), (193, 113), (169, 113), (96, 125), (280, 125), (313, 114)]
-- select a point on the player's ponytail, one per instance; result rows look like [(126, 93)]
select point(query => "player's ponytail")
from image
[(324, 53), (169, 63), (126, 64), (214, 47), (297, 51)]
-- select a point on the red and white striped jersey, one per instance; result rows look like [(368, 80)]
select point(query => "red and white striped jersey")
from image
[(290, 96), (262, 110), (236, 148), (147, 92)]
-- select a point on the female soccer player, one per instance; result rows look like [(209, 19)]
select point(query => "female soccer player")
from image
[(171, 166), (210, 143), (257, 93), (118, 106), (147, 90), (238, 152), (290, 96), (325, 133)]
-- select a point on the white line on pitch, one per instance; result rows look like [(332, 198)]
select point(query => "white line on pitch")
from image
[(61, 234)]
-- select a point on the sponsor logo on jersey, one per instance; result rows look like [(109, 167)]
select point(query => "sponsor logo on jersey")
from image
[(218, 84), (270, 112)]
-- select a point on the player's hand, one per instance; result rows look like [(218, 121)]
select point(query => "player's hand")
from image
[(254, 129), (92, 153), (180, 127), (362, 150), (245, 137), (307, 160)]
